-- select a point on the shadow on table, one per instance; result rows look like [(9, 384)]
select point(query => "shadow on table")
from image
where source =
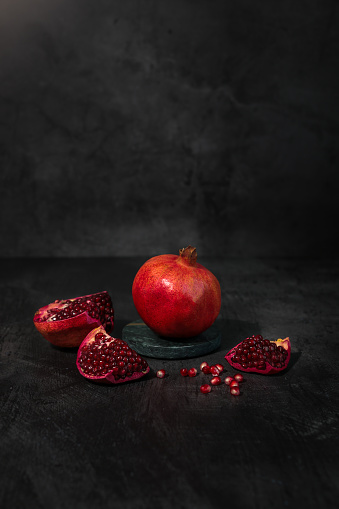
[(234, 331)]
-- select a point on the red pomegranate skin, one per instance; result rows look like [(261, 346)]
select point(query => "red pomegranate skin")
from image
[(176, 296)]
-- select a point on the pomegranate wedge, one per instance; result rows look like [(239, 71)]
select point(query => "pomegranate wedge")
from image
[(66, 323), (259, 355), (102, 358)]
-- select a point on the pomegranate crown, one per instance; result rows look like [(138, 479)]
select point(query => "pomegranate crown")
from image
[(189, 254)]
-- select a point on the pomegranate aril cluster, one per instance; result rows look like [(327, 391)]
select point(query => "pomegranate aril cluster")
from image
[(255, 352), (98, 306), (110, 355)]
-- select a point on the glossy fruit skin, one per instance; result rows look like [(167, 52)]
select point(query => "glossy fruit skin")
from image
[(69, 333), (269, 370), (176, 296), (108, 378)]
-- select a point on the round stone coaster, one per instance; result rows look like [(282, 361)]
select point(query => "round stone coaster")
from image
[(146, 342)]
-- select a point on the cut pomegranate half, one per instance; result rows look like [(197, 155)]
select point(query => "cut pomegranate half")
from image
[(66, 323), (259, 355), (102, 358)]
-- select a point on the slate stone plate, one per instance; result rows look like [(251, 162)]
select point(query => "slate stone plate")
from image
[(144, 341)]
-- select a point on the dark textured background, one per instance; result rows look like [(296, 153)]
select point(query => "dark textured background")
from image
[(138, 127)]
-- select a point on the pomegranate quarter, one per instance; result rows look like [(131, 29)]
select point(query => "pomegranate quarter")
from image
[(102, 358), (176, 296), (259, 355), (65, 323)]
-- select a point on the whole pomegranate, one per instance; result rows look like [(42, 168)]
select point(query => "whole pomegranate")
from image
[(66, 322), (176, 296)]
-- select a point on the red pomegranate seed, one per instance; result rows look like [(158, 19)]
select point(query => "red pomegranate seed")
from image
[(238, 377), (205, 389), (216, 380), (220, 367), (214, 371), (206, 370), (228, 380), (235, 391), (234, 383), (161, 373), (192, 372), (202, 365), (184, 372)]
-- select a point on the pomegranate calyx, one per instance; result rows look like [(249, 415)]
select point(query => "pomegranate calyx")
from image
[(188, 255)]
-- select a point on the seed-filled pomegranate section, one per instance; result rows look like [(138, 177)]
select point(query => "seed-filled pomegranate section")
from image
[(65, 323), (258, 355), (102, 358)]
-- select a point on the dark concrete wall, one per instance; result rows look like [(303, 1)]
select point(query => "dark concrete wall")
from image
[(138, 127)]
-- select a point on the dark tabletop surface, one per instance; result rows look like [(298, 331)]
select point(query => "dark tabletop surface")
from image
[(69, 443)]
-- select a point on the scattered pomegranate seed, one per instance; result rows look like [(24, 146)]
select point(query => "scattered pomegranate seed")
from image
[(238, 377), (192, 372), (184, 372), (228, 380), (216, 380), (220, 367), (202, 365), (205, 389), (235, 391), (161, 373), (234, 383), (214, 371), (206, 370)]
